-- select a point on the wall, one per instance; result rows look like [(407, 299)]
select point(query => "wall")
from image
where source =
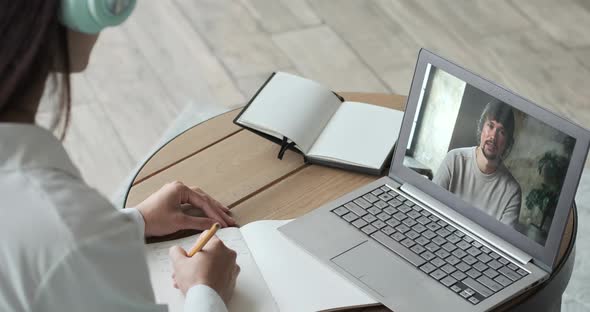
[(532, 140), (472, 105), (439, 111)]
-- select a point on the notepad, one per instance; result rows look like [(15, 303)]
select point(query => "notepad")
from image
[(306, 116), (275, 274)]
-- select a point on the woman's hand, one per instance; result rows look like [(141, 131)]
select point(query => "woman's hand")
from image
[(214, 266), (163, 215)]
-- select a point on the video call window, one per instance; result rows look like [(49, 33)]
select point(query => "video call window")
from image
[(491, 155)]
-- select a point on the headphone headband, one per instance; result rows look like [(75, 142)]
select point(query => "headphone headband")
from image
[(92, 16)]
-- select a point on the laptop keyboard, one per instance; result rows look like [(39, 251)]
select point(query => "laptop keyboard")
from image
[(437, 248)]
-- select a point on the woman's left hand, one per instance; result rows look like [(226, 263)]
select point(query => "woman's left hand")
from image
[(163, 215)]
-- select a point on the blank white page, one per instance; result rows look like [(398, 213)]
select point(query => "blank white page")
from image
[(359, 134), (251, 292), (297, 281), (293, 106)]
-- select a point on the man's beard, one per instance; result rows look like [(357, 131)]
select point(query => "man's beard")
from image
[(486, 155)]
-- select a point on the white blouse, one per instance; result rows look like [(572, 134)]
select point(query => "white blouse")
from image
[(64, 247)]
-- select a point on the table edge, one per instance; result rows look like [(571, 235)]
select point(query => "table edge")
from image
[(131, 181)]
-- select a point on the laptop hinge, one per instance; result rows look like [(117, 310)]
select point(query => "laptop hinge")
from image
[(468, 225)]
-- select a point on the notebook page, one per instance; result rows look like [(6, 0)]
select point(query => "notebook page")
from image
[(293, 106), (296, 280), (359, 134), (250, 294)]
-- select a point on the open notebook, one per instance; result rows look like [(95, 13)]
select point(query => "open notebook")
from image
[(304, 115), (275, 274)]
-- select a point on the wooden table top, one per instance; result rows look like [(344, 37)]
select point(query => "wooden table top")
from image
[(241, 170)]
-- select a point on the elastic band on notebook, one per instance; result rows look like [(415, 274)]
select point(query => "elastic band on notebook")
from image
[(338, 96), (284, 146)]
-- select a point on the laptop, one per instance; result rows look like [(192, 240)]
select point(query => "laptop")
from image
[(483, 218)]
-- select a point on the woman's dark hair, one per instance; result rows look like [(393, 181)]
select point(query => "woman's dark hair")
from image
[(502, 113), (33, 45)]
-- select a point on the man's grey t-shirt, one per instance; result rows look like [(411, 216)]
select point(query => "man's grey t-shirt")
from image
[(498, 193)]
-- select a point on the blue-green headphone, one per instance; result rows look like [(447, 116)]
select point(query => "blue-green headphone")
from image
[(92, 16)]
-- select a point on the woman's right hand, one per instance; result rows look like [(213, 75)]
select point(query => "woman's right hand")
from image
[(214, 266)]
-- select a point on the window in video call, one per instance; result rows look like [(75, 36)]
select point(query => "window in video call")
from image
[(491, 155)]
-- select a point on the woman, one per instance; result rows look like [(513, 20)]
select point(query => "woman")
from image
[(64, 246)]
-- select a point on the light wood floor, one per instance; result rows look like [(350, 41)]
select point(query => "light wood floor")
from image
[(171, 54)]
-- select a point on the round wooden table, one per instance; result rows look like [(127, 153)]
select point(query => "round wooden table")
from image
[(241, 170)]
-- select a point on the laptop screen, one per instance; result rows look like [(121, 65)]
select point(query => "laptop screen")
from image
[(490, 155), (499, 159)]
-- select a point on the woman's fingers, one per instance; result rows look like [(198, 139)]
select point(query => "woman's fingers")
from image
[(223, 211), (199, 201), (218, 207), (211, 207), (196, 223), (217, 204)]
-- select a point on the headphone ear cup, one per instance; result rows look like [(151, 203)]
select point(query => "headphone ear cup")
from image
[(92, 16)]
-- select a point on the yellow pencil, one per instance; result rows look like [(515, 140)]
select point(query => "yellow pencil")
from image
[(202, 241)]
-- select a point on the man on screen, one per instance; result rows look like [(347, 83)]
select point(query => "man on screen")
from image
[(477, 174)]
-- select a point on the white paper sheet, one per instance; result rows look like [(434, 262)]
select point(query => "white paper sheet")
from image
[(276, 275), (251, 292)]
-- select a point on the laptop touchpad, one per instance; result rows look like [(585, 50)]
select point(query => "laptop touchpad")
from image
[(374, 266)]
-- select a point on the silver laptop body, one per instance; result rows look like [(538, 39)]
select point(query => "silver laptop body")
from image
[(415, 246)]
